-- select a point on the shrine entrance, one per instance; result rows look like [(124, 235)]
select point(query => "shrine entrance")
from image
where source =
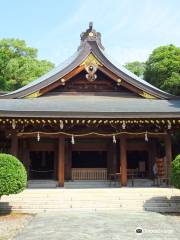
[(42, 164), (137, 163), (89, 165), (89, 159)]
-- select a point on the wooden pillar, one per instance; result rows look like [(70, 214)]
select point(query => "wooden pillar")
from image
[(109, 159), (151, 156), (61, 156), (123, 159), (24, 153), (25, 156), (14, 145), (168, 150), (68, 160), (114, 158)]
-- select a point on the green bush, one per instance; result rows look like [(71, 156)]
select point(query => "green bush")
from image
[(175, 178), (13, 176)]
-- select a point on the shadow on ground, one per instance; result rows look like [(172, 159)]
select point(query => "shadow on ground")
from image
[(5, 208), (163, 204)]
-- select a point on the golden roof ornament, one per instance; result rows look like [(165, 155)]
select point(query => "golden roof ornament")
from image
[(91, 73), (91, 60)]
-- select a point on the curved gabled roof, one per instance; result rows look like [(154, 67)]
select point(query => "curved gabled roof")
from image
[(90, 44), (51, 77)]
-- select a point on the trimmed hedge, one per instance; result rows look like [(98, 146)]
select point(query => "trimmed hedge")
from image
[(13, 176), (175, 178)]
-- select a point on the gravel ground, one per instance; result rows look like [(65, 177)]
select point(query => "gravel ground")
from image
[(12, 224), (101, 225), (80, 225)]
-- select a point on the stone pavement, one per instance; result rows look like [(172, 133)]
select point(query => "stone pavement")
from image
[(101, 225)]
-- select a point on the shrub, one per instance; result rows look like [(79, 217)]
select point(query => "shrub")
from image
[(13, 176), (175, 178)]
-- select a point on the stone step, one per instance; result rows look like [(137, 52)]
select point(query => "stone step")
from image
[(87, 183), (123, 190), (151, 199), (36, 209), (93, 195), (111, 201), (91, 198), (42, 184), (81, 204)]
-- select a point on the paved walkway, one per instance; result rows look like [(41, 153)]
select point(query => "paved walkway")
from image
[(101, 225)]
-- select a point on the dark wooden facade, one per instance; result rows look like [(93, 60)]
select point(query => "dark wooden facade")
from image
[(62, 148)]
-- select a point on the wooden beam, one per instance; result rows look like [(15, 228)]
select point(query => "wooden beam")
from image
[(89, 147), (123, 160), (123, 83), (61, 157), (14, 144), (59, 83)]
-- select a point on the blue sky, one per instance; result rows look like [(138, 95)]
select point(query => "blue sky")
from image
[(130, 29)]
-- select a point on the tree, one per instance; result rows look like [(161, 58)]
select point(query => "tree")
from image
[(19, 64), (163, 68), (172, 84), (13, 176), (136, 67), (175, 179)]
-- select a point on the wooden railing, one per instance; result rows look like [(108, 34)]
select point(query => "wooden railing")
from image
[(89, 173)]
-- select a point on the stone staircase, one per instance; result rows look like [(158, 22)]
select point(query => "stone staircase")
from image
[(88, 184), (42, 184), (61, 199), (81, 184)]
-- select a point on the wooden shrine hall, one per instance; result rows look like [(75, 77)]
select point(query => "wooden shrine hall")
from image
[(89, 118)]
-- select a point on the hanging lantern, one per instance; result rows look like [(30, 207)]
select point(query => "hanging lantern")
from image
[(38, 137), (146, 137), (124, 125), (114, 139), (72, 139), (61, 124), (13, 124)]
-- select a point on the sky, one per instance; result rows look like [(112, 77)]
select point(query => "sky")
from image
[(130, 29)]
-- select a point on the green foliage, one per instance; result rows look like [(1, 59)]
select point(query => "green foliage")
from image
[(19, 64), (172, 84), (175, 179), (163, 68), (176, 141), (136, 67), (13, 176)]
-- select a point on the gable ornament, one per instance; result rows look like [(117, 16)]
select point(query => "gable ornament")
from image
[(147, 95), (91, 73)]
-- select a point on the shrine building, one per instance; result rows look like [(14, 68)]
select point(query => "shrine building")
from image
[(89, 118)]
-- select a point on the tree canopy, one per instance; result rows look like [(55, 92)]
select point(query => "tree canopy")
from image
[(136, 67), (163, 69), (19, 64)]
